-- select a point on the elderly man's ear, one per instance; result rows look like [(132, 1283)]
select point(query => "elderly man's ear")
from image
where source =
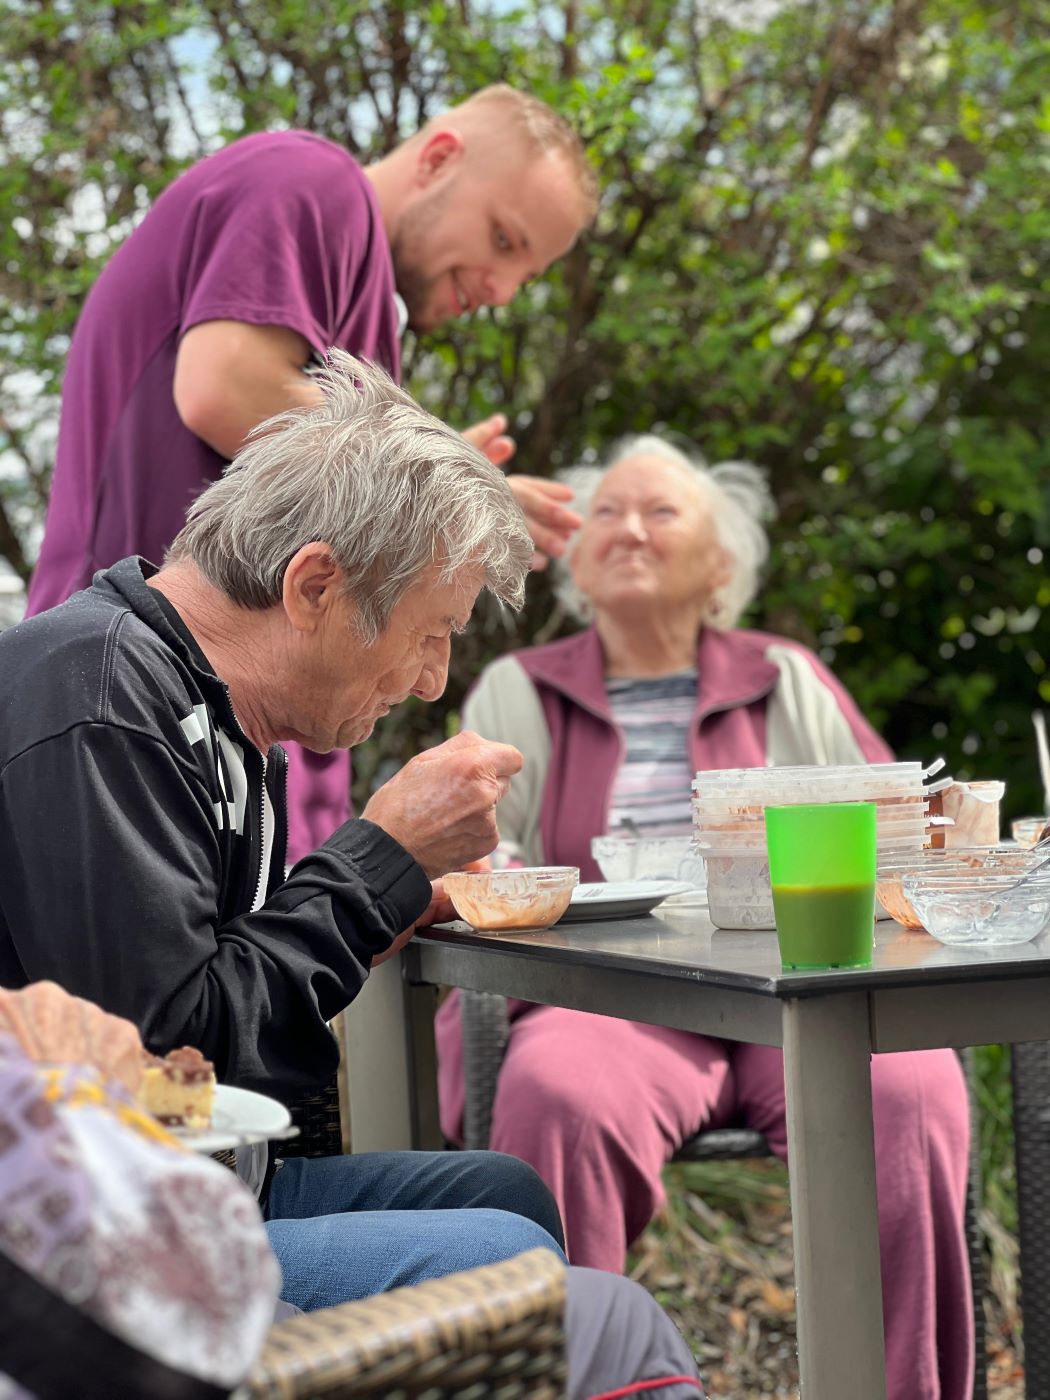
[(313, 584)]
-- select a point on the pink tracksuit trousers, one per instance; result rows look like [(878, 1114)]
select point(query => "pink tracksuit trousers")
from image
[(598, 1106)]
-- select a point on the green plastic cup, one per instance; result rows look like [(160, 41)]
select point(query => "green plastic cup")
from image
[(822, 869)]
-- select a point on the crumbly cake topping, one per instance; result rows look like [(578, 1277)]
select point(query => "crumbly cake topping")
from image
[(187, 1066)]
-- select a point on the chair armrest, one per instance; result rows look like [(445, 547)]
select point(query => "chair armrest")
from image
[(723, 1145), (502, 1323)]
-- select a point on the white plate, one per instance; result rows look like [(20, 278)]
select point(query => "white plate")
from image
[(240, 1116), (618, 899)]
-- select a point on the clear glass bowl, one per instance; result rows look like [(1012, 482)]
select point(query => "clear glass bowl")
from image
[(650, 858), (980, 859), (962, 906), (1027, 830), (888, 889), (533, 897)]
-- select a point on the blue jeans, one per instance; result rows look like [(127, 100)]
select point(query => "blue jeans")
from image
[(348, 1227)]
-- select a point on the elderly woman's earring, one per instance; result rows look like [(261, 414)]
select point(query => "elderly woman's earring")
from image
[(714, 608)]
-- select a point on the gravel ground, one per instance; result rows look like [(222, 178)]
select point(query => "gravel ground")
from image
[(720, 1260)]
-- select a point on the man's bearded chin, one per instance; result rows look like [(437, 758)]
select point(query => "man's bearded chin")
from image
[(412, 287), (407, 248)]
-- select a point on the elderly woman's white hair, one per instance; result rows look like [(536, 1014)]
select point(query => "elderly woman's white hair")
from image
[(388, 487), (740, 501)]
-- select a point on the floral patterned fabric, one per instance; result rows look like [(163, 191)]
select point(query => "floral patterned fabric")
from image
[(163, 1248)]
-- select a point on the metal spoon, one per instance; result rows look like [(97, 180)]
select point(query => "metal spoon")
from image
[(1041, 845), (1039, 720)]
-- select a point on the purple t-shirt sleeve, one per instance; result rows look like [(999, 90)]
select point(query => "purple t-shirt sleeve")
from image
[(279, 239)]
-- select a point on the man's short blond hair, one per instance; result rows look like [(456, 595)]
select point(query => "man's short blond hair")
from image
[(544, 130)]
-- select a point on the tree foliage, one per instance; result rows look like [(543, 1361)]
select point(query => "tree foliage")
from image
[(822, 247)]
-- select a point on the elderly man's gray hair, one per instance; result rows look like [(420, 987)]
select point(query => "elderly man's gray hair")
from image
[(388, 487), (740, 500)]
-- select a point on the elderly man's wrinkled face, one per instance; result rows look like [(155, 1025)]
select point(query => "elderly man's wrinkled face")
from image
[(346, 686), (648, 541)]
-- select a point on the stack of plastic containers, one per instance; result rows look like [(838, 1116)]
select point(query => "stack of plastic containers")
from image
[(728, 806)]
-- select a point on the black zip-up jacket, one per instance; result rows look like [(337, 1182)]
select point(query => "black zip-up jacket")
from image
[(123, 875)]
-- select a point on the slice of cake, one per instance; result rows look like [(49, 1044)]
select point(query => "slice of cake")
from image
[(179, 1089)]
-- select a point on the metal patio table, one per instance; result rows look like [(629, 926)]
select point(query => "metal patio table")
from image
[(677, 969)]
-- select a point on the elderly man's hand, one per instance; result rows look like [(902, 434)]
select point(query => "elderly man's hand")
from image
[(442, 804)]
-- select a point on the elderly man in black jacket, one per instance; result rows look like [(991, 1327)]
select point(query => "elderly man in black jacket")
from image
[(141, 797), (142, 813)]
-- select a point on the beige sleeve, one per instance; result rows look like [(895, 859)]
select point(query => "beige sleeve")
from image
[(804, 723), (504, 706)]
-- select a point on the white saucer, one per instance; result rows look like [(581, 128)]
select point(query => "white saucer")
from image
[(619, 899), (240, 1116)]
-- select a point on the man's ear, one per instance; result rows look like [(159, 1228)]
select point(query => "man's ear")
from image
[(313, 582), (439, 155)]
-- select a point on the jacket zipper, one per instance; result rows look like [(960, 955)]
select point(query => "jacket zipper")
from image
[(261, 877), (280, 832), (260, 763)]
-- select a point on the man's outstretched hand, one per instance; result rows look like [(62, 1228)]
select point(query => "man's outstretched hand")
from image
[(550, 522), (442, 805), (490, 437)]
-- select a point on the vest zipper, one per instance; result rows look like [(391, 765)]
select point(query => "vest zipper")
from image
[(701, 714)]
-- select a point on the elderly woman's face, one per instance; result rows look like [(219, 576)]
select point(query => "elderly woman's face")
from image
[(648, 540)]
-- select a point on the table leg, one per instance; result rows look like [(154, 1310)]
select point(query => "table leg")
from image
[(831, 1160), (376, 1047), (420, 1001)]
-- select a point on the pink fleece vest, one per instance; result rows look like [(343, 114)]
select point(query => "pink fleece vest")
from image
[(728, 727)]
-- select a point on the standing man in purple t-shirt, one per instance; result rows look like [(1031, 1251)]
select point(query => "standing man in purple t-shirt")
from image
[(245, 271)]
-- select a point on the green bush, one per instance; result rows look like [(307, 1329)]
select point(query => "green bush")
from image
[(822, 246)]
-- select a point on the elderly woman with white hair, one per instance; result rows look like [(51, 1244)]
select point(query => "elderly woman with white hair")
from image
[(613, 722)]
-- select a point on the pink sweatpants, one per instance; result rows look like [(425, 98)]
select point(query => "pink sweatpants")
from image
[(598, 1106)]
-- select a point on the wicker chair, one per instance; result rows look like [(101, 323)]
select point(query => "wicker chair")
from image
[(319, 1120), (319, 1117), (485, 1031), (1030, 1067), (493, 1331)]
